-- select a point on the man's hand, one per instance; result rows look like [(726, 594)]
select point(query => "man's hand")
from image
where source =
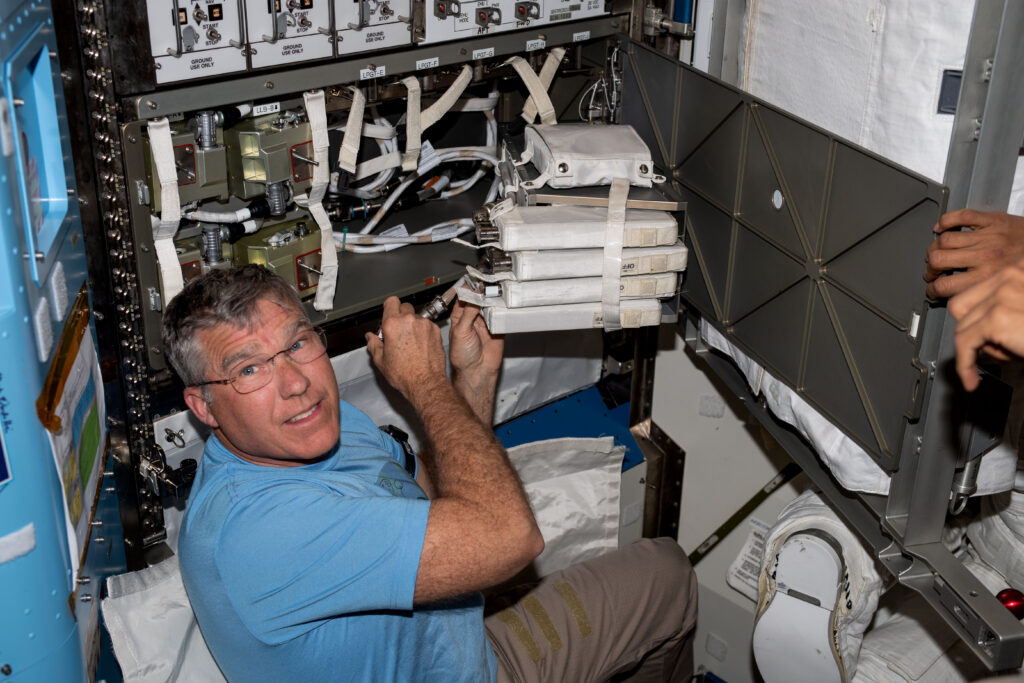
[(411, 356), (990, 318), (476, 359), (995, 240)]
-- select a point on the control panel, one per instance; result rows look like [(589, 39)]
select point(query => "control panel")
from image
[(444, 20), (282, 32), (195, 40), (204, 38)]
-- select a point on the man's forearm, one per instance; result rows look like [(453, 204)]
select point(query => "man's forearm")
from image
[(467, 461), (478, 389)]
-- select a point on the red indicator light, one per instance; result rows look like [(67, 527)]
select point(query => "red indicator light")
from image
[(1012, 600)]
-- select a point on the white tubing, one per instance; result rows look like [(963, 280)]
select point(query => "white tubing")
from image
[(371, 244), (454, 155), (239, 216)]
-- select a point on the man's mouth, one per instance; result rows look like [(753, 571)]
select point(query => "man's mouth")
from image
[(302, 416)]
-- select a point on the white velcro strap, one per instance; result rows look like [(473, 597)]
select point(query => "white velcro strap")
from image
[(349, 152), (162, 149), (434, 112), (316, 112), (413, 131), (379, 131), (477, 103), (546, 76), (613, 253), (538, 91), (373, 166)]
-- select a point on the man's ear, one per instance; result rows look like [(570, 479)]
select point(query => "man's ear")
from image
[(199, 406)]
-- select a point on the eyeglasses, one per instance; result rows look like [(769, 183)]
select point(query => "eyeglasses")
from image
[(256, 374)]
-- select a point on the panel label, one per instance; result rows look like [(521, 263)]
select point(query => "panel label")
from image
[(580, 36), (431, 63), (538, 44), (484, 53), (376, 72), (268, 108)]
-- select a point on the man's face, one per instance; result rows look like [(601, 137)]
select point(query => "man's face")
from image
[(290, 421)]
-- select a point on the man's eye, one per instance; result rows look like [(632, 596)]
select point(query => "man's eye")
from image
[(249, 371), (299, 343)]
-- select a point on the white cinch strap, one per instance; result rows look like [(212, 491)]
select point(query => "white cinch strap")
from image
[(547, 74), (613, 253), (538, 91), (434, 112), (317, 115), (349, 151), (413, 131), (170, 207)]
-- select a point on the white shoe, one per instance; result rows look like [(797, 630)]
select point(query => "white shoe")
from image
[(818, 591), (795, 631)]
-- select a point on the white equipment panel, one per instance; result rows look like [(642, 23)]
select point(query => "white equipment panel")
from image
[(288, 31), (364, 25), (452, 20), (195, 39)]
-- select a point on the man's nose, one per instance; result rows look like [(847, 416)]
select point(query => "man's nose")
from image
[(290, 376)]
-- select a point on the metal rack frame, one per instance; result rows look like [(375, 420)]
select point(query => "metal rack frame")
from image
[(903, 529)]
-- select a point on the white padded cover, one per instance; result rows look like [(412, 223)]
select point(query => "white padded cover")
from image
[(633, 313), (581, 154), (575, 227), (580, 290), (560, 263)]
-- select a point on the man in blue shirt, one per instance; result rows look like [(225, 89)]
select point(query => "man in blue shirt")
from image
[(309, 553)]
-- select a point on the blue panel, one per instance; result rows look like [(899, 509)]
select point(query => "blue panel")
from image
[(39, 231), (582, 414)]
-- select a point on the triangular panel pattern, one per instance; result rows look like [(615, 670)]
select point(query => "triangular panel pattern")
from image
[(882, 358), (659, 93), (759, 272), (635, 110), (714, 101), (776, 331), (714, 167), (802, 156), (865, 195), (760, 184), (711, 236), (695, 288), (885, 269), (827, 380)]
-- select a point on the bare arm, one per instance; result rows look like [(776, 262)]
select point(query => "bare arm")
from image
[(994, 240), (481, 530), (476, 359), (990, 318)]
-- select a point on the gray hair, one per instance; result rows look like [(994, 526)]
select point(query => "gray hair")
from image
[(227, 296)]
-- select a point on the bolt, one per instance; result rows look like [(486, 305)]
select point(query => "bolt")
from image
[(84, 201), (151, 104), (269, 85), (5, 669)]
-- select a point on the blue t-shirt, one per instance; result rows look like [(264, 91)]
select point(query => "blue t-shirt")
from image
[(307, 573)]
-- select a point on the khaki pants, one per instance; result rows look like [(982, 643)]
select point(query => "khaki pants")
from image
[(625, 615)]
